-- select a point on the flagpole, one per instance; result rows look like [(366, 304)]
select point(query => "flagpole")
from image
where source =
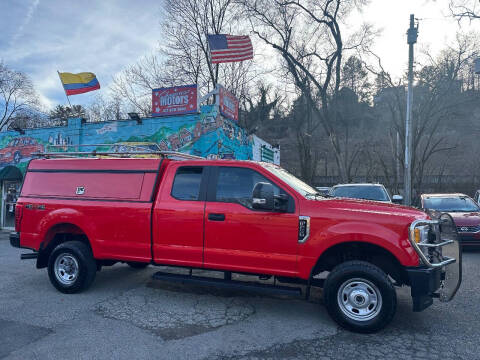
[(58, 72)]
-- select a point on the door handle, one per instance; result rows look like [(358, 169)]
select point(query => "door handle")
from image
[(216, 217)]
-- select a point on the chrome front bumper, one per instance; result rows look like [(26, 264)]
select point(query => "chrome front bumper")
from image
[(441, 250)]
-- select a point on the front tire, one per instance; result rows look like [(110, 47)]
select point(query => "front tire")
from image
[(360, 297), (71, 267)]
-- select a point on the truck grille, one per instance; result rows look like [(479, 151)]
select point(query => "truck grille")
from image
[(464, 239), (469, 229)]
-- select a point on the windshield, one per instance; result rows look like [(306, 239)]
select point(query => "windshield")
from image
[(450, 204), (297, 184), (377, 193)]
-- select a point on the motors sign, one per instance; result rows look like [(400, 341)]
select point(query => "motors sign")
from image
[(174, 100), (228, 104)]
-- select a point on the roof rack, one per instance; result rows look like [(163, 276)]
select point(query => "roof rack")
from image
[(128, 154)]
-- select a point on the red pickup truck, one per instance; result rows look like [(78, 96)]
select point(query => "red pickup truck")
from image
[(79, 214)]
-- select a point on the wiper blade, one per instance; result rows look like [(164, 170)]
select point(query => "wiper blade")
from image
[(314, 195)]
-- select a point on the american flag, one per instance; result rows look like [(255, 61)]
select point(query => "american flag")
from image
[(229, 48)]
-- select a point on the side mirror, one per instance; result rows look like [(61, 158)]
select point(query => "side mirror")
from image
[(397, 199), (263, 196)]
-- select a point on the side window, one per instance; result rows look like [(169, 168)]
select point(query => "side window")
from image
[(186, 185), (235, 185)]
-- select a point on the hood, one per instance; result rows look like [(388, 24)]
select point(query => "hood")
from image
[(466, 218), (369, 207)]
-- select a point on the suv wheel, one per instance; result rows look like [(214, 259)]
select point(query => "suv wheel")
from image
[(360, 297), (71, 267)]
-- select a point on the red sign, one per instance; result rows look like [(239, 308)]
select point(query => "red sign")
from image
[(228, 104), (174, 100)]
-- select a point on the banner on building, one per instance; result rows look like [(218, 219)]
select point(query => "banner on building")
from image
[(266, 154), (228, 104), (263, 151), (174, 100)]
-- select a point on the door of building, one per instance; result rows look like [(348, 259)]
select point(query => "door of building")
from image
[(10, 192)]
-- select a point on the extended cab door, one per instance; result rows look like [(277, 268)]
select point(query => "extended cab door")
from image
[(241, 238), (178, 216)]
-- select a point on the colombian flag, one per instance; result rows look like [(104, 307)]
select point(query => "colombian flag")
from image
[(79, 83)]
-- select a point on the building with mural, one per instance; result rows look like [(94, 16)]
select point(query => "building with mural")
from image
[(206, 133)]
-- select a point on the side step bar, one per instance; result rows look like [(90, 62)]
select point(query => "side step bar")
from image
[(29, 256), (227, 283)]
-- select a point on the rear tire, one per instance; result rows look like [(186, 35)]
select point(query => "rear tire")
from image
[(71, 267), (360, 297), (137, 265)]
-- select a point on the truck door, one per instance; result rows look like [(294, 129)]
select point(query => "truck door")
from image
[(240, 238), (178, 216)]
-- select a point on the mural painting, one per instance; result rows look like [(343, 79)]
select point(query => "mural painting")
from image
[(206, 134)]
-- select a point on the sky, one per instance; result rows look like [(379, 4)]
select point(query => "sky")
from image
[(436, 29), (40, 37)]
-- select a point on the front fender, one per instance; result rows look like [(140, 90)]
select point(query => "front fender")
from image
[(321, 239)]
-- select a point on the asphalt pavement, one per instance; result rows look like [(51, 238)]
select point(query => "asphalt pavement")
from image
[(127, 315)]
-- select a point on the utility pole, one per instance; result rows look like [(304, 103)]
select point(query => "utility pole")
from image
[(412, 34), (397, 162)]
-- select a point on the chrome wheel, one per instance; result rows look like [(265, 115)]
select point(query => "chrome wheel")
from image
[(66, 269), (359, 299)]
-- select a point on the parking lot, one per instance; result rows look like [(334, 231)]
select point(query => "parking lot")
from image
[(125, 314)]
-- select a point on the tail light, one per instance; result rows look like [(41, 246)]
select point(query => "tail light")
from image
[(18, 216)]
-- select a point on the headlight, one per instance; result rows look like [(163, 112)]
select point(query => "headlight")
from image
[(421, 236), (426, 234), (428, 237), (421, 233), (8, 154)]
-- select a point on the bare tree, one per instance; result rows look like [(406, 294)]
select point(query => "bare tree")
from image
[(105, 108), (303, 123), (308, 36), (258, 108), (17, 95), (29, 119), (438, 96), (465, 9), (187, 25), (184, 55), (135, 83), (61, 113), (355, 77)]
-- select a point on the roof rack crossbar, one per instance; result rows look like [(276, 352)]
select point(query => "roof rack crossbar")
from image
[(78, 145), (70, 154)]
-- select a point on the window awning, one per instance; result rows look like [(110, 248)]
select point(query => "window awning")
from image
[(10, 173)]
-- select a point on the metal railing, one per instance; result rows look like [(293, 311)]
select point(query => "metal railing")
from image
[(116, 154), (425, 244)]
